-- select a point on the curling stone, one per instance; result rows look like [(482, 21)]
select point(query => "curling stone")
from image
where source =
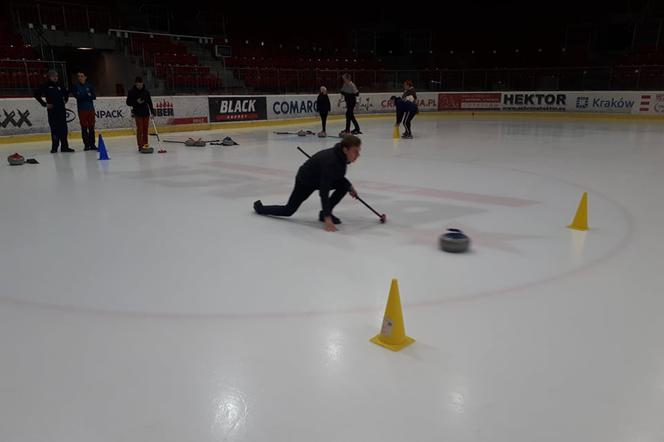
[(454, 241), (16, 159)]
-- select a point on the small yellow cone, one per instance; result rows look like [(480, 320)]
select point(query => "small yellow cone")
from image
[(395, 133), (580, 221), (393, 332)]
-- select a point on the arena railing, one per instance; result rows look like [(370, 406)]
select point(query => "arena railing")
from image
[(62, 15), (19, 78), (284, 80)]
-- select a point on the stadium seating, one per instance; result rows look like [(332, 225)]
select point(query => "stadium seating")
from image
[(289, 67), (180, 70)]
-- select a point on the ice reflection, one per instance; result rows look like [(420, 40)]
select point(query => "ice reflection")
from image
[(230, 413)]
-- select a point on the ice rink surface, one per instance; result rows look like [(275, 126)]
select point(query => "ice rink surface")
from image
[(143, 300)]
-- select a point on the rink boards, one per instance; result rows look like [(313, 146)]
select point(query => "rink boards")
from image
[(24, 116)]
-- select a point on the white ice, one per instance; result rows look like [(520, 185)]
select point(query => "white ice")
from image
[(141, 299)]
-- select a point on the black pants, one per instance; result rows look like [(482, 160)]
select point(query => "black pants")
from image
[(407, 120), (323, 120), (88, 135), (57, 121), (300, 193), (350, 117)]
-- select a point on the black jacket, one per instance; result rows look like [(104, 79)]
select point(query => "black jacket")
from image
[(323, 171), (403, 107), (409, 91), (52, 93), (142, 108), (323, 104)]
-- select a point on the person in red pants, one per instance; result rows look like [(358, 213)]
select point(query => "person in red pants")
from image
[(140, 101), (85, 95)]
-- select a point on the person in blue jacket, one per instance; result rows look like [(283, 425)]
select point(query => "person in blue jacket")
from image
[(406, 111), (85, 95), (53, 97)]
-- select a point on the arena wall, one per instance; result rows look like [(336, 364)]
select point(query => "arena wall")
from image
[(24, 116)]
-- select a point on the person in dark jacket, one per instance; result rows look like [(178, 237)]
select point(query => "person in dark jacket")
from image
[(350, 92), (324, 106), (324, 171), (406, 111), (409, 90), (141, 108), (85, 96), (53, 97)]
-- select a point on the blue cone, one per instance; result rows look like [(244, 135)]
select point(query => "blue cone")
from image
[(103, 154)]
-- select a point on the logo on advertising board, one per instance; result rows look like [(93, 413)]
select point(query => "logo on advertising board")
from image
[(427, 103), (421, 103), (164, 108), (295, 107), (237, 108), (187, 120), (386, 104), (469, 101), (644, 105), (15, 117), (535, 101), (363, 105), (582, 102), (71, 115), (110, 114), (606, 103), (449, 102), (659, 103)]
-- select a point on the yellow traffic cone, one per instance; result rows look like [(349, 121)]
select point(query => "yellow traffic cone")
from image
[(395, 134), (393, 332), (580, 221)]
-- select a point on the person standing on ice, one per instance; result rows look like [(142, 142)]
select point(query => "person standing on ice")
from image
[(140, 101), (324, 106), (53, 97), (350, 92), (409, 90), (324, 171), (85, 96)]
